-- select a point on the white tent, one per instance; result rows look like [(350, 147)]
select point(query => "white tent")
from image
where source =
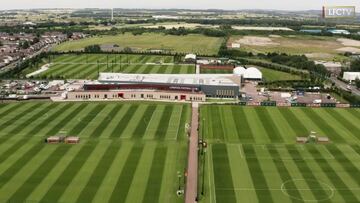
[(239, 71), (252, 74)]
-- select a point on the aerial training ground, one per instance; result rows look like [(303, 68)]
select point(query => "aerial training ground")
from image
[(87, 66), (129, 152), (252, 154)]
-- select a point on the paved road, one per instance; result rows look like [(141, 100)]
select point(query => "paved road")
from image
[(344, 85), (191, 179)]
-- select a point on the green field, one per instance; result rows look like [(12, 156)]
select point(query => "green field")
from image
[(199, 44), (253, 157), (268, 74), (129, 152), (85, 66), (316, 47), (274, 75)]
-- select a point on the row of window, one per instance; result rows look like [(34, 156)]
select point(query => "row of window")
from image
[(165, 97), (83, 96), (225, 92), (195, 98)]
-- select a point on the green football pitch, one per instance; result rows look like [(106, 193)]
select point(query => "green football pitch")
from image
[(129, 152), (253, 156), (86, 66)]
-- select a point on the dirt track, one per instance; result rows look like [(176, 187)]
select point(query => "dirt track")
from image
[(191, 179)]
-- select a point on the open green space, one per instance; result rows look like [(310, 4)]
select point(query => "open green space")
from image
[(274, 75), (253, 156), (199, 44), (87, 66), (129, 152), (315, 47)]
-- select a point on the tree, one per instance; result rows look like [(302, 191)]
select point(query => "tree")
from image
[(355, 65), (127, 50), (93, 48), (24, 45), (357, 82)]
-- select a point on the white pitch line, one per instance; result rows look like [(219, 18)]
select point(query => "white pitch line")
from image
[(240, 151)]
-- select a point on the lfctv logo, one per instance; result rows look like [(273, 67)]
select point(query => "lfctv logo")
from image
[(338, 12)]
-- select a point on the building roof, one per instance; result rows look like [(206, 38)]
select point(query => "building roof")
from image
[(351, 75), (175, 79), (190, 56), (337, 31)]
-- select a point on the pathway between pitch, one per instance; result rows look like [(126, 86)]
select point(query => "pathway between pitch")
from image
[(191, 179)]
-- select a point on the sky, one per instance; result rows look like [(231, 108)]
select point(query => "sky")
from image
[(180, 4)]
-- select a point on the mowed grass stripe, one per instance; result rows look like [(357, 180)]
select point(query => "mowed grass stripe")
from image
[(52, 117), (11, 108), (33, 118), (17, 166), (316, 188), (120, 127), (104, 123), (23, 141), (257, 174), (164, 122), (242, 125), (356, 148), (2, 105), (353, 129), (332, 175), (347, 164), (293, 121), (98, 175), (65, 120), (269, 125), (142, 125), (180, 126), (217, 127), (323, 125), (32, 182), (20, 114), (284, 174), (224, 186), (57, 189), (354, 112), (88, 119), (153, 187), (122, 186)]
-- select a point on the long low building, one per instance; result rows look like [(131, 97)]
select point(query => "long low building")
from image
[(212, 85), (351, 76), (187, 87)]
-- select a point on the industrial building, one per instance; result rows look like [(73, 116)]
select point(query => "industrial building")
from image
[(188, 87)]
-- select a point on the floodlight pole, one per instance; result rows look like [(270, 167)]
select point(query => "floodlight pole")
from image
[(107, 61), (120, 63), (112, 67), (98, 68), (179, 177)]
